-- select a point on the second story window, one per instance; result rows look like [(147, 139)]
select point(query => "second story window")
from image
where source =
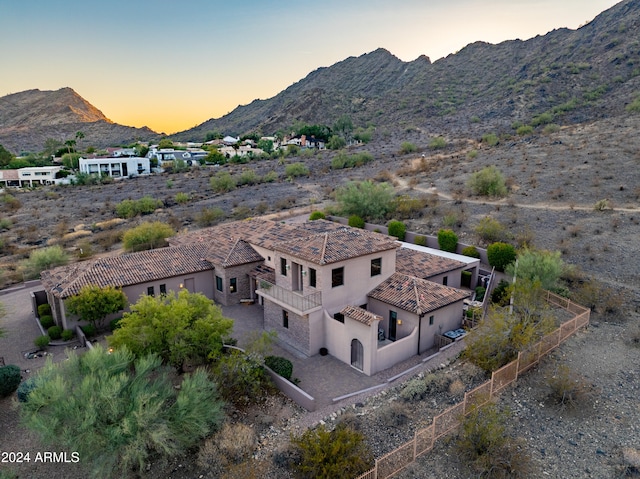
[(283, 266), (376, 266), (312, 277), (150, 291), (337, 277)]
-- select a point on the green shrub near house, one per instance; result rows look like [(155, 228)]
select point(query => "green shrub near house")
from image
[(447, 240), (356, 221), (9, 379), (67, 334), (397, 229), (44, 310), (281, 366), (317, 215), (420, 240), (55, 332), (471, 251), (46, 321), (500, 255)]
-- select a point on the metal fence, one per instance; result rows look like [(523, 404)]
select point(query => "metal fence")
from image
[(424, 439)]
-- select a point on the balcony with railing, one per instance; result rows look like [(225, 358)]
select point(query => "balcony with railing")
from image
[(296, 300)]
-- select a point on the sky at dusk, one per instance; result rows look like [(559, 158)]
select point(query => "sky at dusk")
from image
[(171, 65)]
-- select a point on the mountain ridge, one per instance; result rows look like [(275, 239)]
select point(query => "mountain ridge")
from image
[(499, 85), (30, 117)]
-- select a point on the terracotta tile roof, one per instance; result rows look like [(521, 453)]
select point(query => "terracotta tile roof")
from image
[(424, 265), (321, 242), (415, 295), (229, 252), (361, 315), (338, 245), (127, 269), (9, 175)]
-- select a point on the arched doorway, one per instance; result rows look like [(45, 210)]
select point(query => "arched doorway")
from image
[(357, 354)]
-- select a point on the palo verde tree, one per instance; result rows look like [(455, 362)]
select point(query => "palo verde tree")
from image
[(509, 329), (538, 265), (117, 412), (180, 327), (94, 304)]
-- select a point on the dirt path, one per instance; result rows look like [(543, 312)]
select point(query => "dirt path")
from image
[(404, 185)]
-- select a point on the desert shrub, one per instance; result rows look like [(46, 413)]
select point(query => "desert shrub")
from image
[(182, 198), (457, 388), (356, 222), (89, 330), (406, 207), (394, 415), (407, 147), (42, 342), (296, 169), (336, 142), (484, 443), (437, 143), (114, 324), (44, 310), (601, 205), (25, 389), (42, 259), (325, 454), (342, 160), (550, 128), (471, 251), (397, 229), (9, 202), (209, 216), (447, 240), (500, 255), (9, 379), (490, 139), (490, 230), (67, 334), (542, 119), (47, 321), (148, 235), (270, 177), (279, 365), (419, 388), (369, 200), (524, 130), (143, 206), (634, 106), (568, 389), (480, 291), (231, 445), (248, 177), (500, 294), (222, 182), (245, 380), (55, 332), (420, 240), (317, 215), (488, 182)]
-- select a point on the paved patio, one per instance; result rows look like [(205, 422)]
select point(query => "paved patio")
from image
[(324, 377)]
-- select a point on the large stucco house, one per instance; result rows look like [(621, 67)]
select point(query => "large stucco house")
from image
[(361, 296)]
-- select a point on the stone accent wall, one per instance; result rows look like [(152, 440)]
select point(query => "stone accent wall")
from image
[(243, 284), (296, 335)]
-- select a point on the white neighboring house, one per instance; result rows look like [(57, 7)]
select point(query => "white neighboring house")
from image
[(244, 150), (119, 167), (39, 175), (169, 155)]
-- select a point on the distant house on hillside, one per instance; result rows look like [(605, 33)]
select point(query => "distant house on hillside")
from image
[(323, 287), (117, 167), (30, 176)]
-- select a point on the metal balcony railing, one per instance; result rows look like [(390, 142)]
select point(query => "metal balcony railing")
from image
[(301, 302)]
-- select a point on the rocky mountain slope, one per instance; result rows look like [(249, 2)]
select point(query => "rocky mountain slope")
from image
[(29, 118), (574, 75)]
